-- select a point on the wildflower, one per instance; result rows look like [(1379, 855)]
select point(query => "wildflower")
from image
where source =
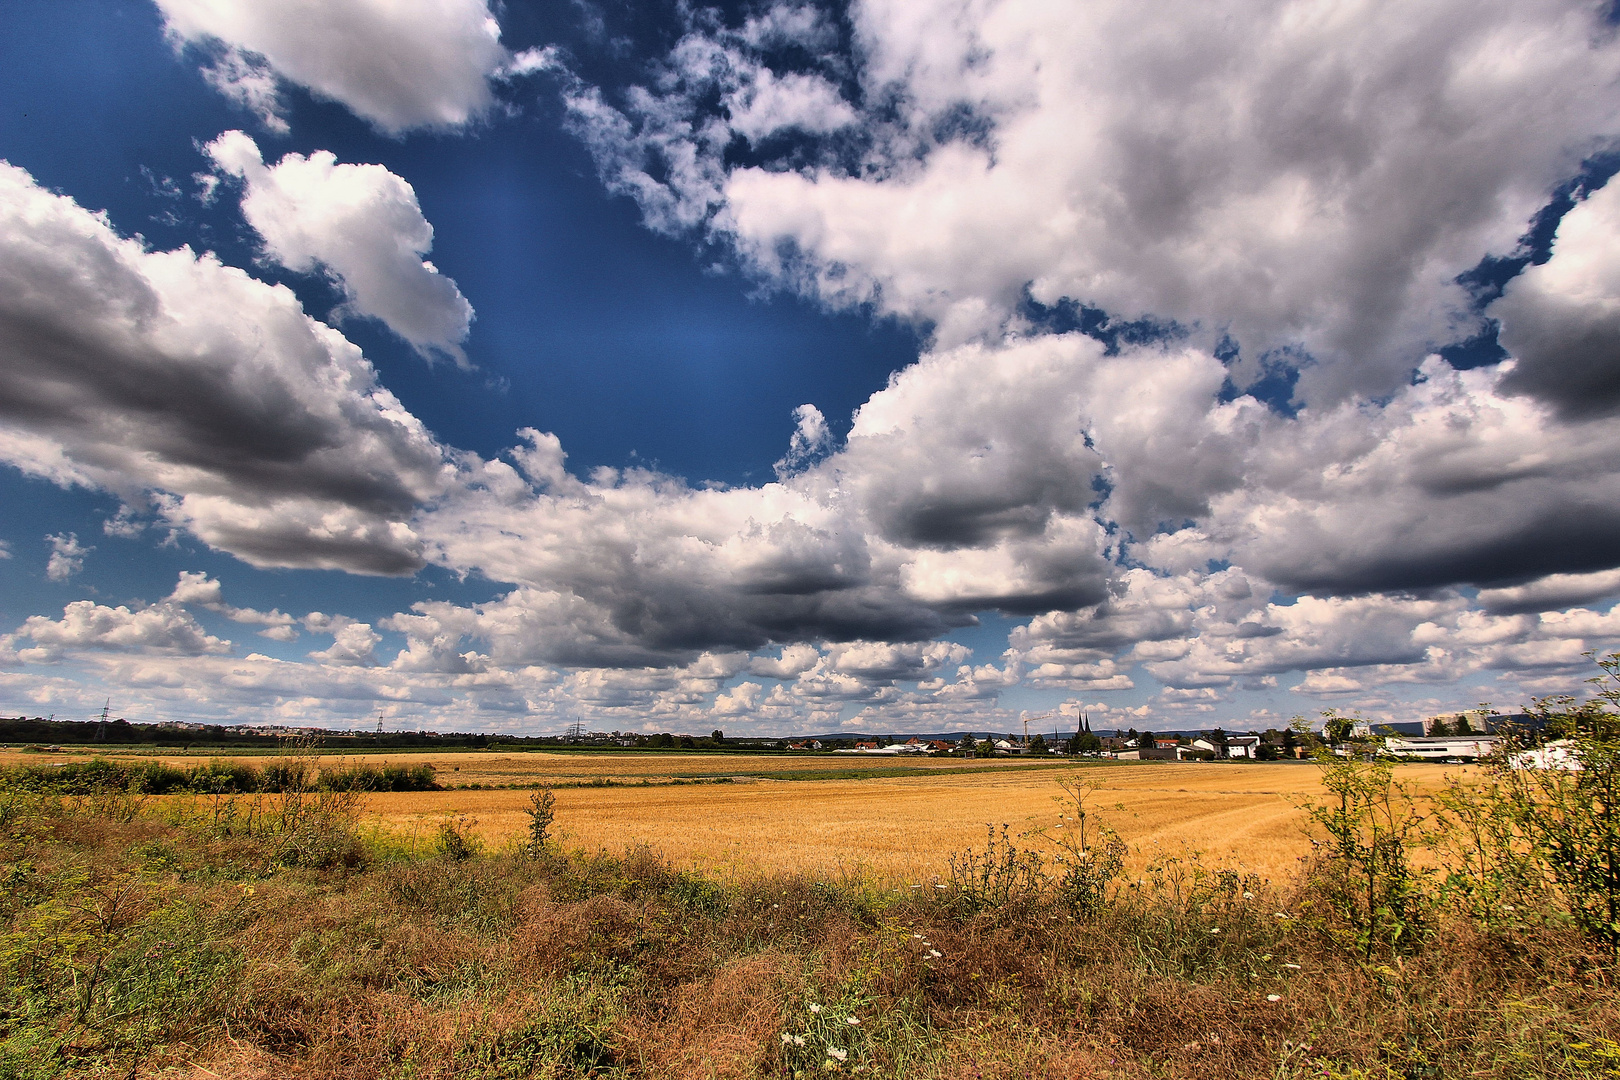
[(1291, 967), (1273, 997), (1214, 929), (1282, 915), (852, 1021), (935, 953), (787, 1040), (798, 1040), (1248, 896), (917, 936), (836, 1054), (814, 1007)]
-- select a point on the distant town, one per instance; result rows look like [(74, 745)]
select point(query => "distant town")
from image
[(1451, 737)]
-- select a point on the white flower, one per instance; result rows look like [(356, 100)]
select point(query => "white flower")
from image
[(787, 1040), (1214, 929), (1248, 896), (1273, 997), (917, 936), (798, 1040), (852, 1021), (814, 1007), (836, 1054), (935, 953), (1292, 967)]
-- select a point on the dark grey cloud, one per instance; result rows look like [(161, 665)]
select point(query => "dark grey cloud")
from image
[(1561, 319), (195, 390)]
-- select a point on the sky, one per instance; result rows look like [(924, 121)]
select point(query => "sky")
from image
[(884, 366)]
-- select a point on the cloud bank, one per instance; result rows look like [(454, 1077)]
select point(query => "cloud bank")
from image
[(1123, 235)]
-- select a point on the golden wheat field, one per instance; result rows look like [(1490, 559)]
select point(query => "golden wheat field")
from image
[(905, 828), (900, 821)]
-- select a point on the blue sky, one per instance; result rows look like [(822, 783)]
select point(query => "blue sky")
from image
[(884, 366)]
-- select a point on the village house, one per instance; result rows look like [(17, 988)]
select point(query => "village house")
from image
[(1234, 746)]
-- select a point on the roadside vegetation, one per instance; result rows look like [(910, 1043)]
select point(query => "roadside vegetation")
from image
[(215, 776), (263, 931)]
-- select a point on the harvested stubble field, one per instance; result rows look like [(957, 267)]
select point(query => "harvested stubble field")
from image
[(895, 819), (905, 827)]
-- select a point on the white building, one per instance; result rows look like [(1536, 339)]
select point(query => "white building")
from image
[(1441, 747), (1555, 755), (1237, 746)]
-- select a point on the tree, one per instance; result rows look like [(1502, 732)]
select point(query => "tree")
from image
[(1335, 728), (1460, 727), (1132, 737), (1037, 745), (1217, 739), (718, 736)]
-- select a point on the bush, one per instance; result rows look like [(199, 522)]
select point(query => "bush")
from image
[(542, 812), (372, 778), (456, 841), (1366, 893), (1545, 839)]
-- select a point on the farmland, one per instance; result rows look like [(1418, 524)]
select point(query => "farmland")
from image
[(733, 916), (894, 819)]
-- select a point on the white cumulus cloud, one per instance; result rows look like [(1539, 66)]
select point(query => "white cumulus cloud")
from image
[(400, 64), (359, 224)]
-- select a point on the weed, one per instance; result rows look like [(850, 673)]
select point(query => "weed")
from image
[(999, 876), (1089, 854)]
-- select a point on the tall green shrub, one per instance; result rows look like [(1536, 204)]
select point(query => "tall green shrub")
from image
[(1368, 895)]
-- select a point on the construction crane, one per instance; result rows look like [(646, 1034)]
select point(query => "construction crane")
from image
[(1038, 716)]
